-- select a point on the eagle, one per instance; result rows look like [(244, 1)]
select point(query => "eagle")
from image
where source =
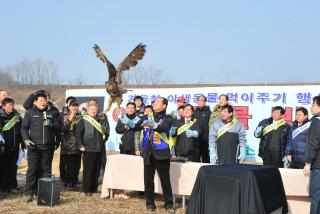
[(114, 84)]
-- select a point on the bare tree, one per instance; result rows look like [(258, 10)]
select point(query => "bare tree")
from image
[(53, 73), (5, 79), (79, 79), (157, 77), (142, 76), (34, 72)]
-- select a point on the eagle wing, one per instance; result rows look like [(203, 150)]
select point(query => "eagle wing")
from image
[(131, 60), (111, 69)]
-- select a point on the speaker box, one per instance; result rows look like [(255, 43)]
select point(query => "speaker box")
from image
[(48, 191)]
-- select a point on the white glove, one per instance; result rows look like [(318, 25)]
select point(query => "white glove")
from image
[(150, 123), (29, 144)]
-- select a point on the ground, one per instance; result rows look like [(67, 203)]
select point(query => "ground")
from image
[(76, 202), (71, 202)]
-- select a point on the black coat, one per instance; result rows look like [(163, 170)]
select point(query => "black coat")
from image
[(140, 112), (32, 128), (89, 137), (275, 140), (188, 146), (297, 146), (203, 117), (12, 137), (127, 138), (313, 143), (69, 144)]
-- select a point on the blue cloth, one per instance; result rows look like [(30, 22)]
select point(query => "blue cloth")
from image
[(314, 191), (149, 130)]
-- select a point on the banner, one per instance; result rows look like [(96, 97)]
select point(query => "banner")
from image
[(251, 103)]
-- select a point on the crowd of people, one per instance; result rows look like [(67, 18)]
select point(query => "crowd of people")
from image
[(190, 132)]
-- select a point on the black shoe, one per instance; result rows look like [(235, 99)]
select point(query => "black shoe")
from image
[(151, 207), (73, 187), (14, 191), (68, 187), (29, 198), (88, 194), (170, 210), (2, 195)]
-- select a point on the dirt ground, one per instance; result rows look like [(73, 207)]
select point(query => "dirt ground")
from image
[(76, 202)]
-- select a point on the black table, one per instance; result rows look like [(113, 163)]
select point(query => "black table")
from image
[(236, 188)]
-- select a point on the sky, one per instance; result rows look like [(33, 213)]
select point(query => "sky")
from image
[(215, 42)]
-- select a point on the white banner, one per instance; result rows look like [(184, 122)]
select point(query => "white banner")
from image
[(252, 103)]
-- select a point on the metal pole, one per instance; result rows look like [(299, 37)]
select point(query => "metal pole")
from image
[(111, 193), (183, 202)]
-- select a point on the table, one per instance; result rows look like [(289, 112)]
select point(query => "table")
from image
[(126, 172), (237, 189)]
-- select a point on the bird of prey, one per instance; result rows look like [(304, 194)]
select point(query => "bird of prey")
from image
[(113, 85)]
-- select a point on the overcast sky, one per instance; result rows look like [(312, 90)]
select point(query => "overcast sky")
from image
[(194, 41)]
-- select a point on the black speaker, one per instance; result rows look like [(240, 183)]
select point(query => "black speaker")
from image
[(48, 191)]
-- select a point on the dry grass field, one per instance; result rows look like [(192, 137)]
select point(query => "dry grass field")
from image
[(76, 202), (71, 202)]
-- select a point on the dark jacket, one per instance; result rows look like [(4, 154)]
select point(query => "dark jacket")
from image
[(89, 137), (12, 137), (313, 144), (32, 128), (275, 140), (69, 144), (164, 124), (188, 146), (203, 116), (140, 112), (127, 138), (297, 147)]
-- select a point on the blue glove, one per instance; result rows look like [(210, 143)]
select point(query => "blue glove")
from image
[(173, 131), (2, 141), (150, 123), (286, 162), (213, 155), (173, 151), (242, 157), (192, 133), (125, 120), (258, 131), (130, 123)]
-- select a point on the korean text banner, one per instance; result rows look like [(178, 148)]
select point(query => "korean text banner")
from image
[(252, 103)]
